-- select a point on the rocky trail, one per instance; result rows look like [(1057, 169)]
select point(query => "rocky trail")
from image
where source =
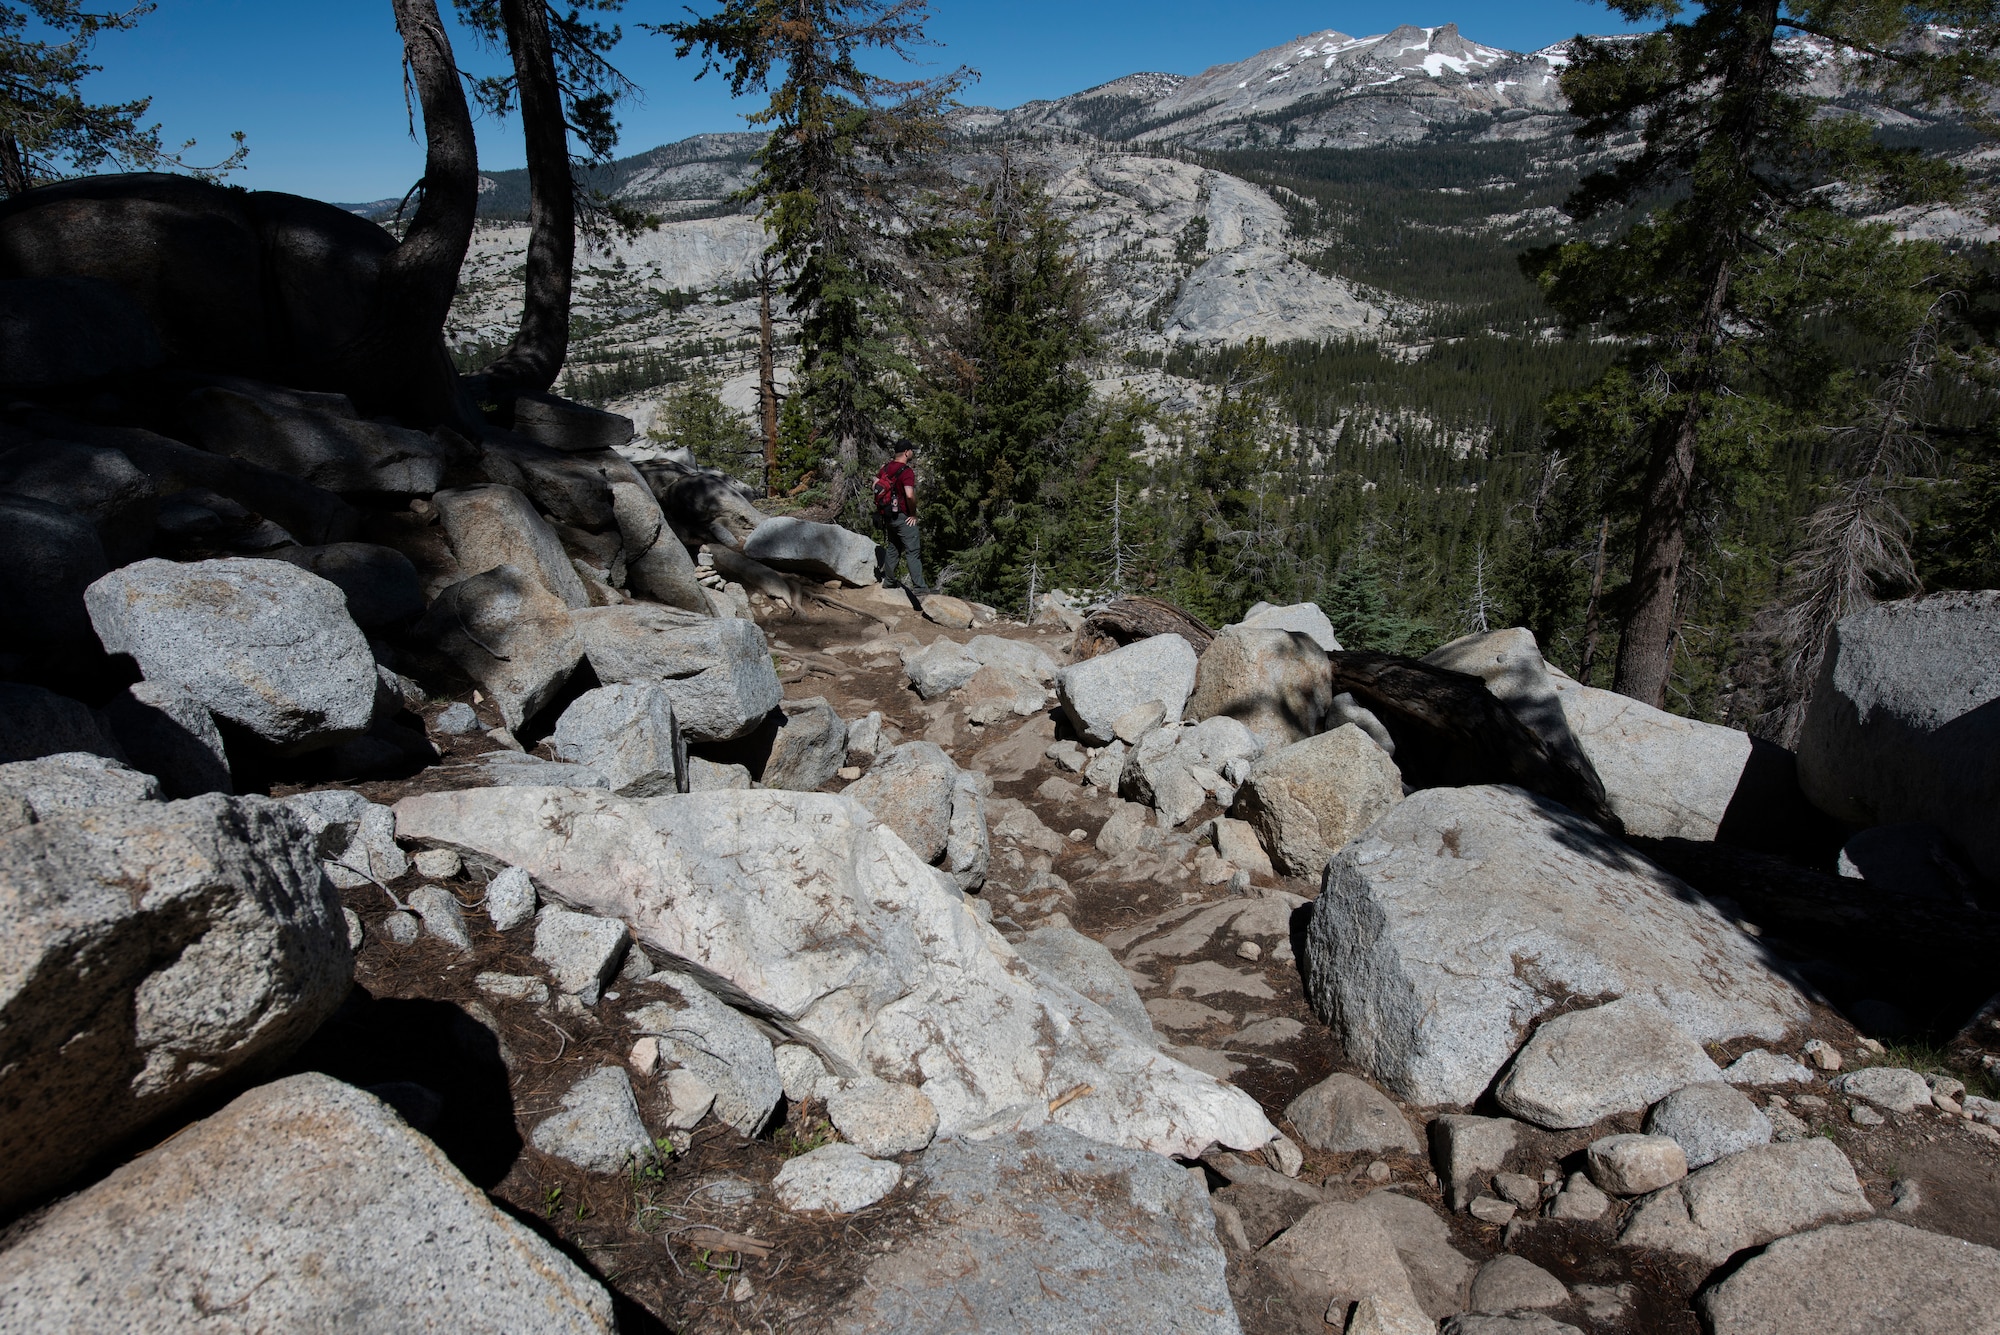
[(488, 880)]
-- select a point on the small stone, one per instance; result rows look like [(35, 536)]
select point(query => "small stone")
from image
[(1709, 1121), (513, 987), (878, 1116), (353, 928), (1069, 755), (1385, 1314), (689, 1099), (598, 1128), (401, 928), (1132, 726), (1378, 1171), (1491, 1209), (1863, 1115), (1344, 1113), (1906, 1195), (644, 1059), (1579, 1199), (799, 1070), (1949, 1086), (581, 950), (1583, 1066), (1466, 1148), (1822, 1054), (1871, 1046), (1948, 1106), (1891, 1088), (837, 1178), (1514, 1284), (1284, 1156), (1523, 1191), (1632, 1165), (456, 719), (438, 864), (1078, 836), (1758, 1067), (1249, 950), (638, 966), (510, 899), (848, 773), (1786, 1126), (443, 917)]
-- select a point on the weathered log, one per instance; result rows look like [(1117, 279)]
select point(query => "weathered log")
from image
[(1127, 620), (1450, 732)]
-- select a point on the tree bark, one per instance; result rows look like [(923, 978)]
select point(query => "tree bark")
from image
[(532, 362), (401, 348), (767, 379), (1590, 614), (13, 167)]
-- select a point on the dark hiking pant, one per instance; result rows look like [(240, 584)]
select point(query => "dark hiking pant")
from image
[(903, 541)]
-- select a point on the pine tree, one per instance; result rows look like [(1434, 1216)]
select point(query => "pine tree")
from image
[(1714, 288)]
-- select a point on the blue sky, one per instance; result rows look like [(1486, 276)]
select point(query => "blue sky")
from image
[(316, 85)]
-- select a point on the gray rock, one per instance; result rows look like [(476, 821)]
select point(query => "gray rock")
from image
[(36, 723), (1174, 769), (1510, 663), (1309, 799), (439, 864), (799, 1069), (1665, 776), (400, 929), (507, 632), (563, 424), (910, 790), (1468, 1149), (1137, 1240), (1528, 1323), (1889, 1087), (628, 734), (305, 1204), (153, 949), (354, 933), (1343, 1115), (1275, 682), (1095, 693), (1465, 913), (804, 909), (1748, 1199), (381, 585), (1302, 618), (350, 831), (1901, 725), (1709, 1121), (1089, 969), (507, 769), (657, 566), (456, 719), (443, 916), (168, 733), (53, 556), (1585, 1065), (1859, 1279), (879, 1117), (967, 844), (492, 525), (727, 1051), (598, 1127), (72, 781), (1579, 1200), (510, 899), (1237, 843), (1440, 1274), (811, 744), (581, 951), (96, 483), (717, 672), (947, 611), (1914, 859), (1334, 1256), (999, 692), (705, 776), (260, 643), (1631, 1165), (334, 450), (1759, 1067), (69, 331), (1514, 1284), (513, 987), (996, 651), (835, 1179), (939, 668), (825, 551), (864, 737)]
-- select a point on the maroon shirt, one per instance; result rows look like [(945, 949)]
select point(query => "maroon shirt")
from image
[(893, 486)]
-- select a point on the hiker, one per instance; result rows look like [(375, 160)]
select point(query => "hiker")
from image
[(896, 512)]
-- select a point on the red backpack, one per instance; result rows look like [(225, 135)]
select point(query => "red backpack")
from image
[(887, 482)]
